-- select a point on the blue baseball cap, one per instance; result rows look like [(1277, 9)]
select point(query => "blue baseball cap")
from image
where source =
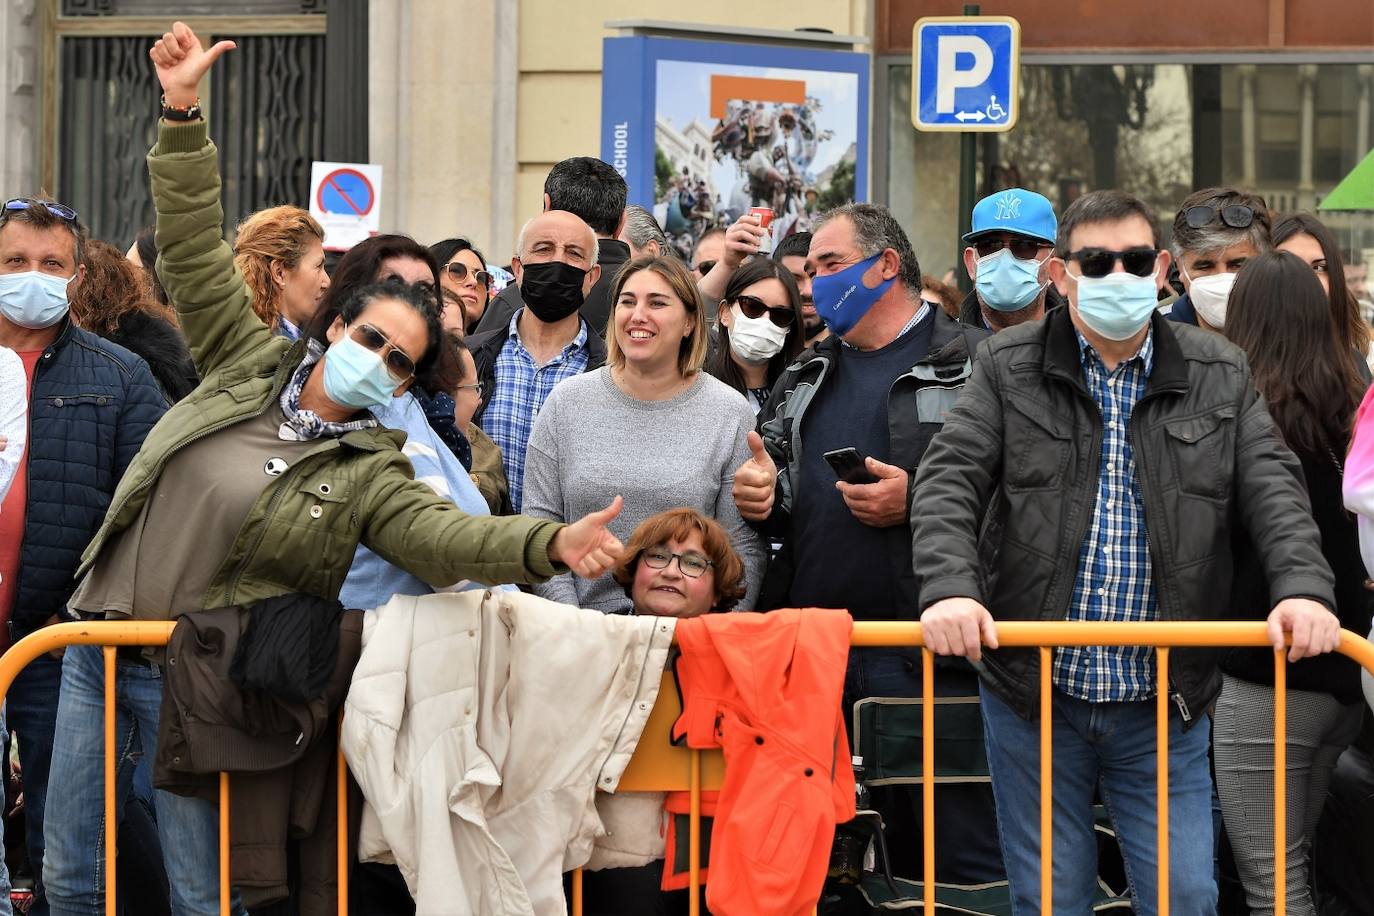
[(1014, 210)]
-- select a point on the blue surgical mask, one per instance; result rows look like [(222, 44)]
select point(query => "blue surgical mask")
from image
[(842, 299), (33, 299), (1118, 305), (356, 377), (1007, 283)]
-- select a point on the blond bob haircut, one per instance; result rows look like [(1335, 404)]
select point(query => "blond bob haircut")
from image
[(275, 235), (678, 525), (691, 355)]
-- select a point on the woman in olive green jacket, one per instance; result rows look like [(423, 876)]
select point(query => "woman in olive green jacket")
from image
[(260, 483)]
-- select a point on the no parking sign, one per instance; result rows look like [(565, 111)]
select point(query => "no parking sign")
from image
[(346, 198)]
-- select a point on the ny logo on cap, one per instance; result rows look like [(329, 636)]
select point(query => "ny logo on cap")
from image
[(1008, 206)]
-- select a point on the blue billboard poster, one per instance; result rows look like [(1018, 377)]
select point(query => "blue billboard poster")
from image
[(705, 131)]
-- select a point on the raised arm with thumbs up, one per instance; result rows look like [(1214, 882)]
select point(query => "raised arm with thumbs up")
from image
[(587, 546), (754, 482), (182, 63)]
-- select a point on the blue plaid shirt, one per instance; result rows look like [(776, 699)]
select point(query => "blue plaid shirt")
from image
[(521, 389), (1114, 579)]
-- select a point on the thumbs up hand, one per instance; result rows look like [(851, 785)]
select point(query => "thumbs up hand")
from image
[(587, 546), (182, 63), (754, 481)]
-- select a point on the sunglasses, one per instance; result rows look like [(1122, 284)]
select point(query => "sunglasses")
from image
[(704, 267), (754, 307), (693, 565), (1098, 262), (401, 366), (1021, 249), (459, 272), (61, 211), (1237, 216)]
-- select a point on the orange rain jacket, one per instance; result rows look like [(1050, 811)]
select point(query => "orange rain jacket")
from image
[(766, 689)]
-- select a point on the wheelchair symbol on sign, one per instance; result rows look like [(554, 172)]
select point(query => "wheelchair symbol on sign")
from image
[(994, 111)]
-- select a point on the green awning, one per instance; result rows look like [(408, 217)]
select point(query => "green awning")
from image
[(1356, 190)]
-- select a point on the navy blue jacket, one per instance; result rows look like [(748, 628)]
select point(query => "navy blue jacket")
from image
[(92, 403), (1183, 311)]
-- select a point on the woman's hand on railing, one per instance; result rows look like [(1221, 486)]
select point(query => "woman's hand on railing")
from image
[(182, 63), (1314, 628), (958, 626)]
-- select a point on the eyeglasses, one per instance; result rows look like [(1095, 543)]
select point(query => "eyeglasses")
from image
[(704, 267), (1021, 249), (1098, 262), (475, 386), (401, 366), (1237, 216), (61, 211), (693, 565), (459, 272), (754, 307)]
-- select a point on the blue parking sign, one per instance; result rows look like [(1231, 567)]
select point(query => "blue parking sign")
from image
[(964, 73)]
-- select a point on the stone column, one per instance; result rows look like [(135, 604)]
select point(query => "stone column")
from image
[(1249, 172), (19, 97), (1365, 76), (1307, 87)]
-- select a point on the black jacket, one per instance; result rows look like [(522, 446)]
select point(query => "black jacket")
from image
[(163, 348), (971, 311), (486, 348), (917, 403), (611, 255), (1007, 491)]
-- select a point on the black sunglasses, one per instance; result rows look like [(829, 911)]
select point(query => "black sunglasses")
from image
[(1021, 249), (1098, 262), (459, 272), (704, 267), (754, 307), (61, 211), (1237, 216), (401, 366)]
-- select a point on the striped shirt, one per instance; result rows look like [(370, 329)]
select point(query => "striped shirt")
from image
[(521, 389), (1114, 581)]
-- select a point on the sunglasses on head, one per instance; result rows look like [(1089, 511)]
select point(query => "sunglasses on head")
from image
[(1237, 216), (704, 267), (61, 211), (1021, 249), (754, 307), (459, 272), (1098, 262), (401, 366)]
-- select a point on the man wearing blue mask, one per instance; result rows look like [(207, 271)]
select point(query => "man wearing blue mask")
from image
[(1008, 251), (91, 403), (878, 387), (1094, 470)]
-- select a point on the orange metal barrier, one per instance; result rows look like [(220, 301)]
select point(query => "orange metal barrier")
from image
[(659, 767)]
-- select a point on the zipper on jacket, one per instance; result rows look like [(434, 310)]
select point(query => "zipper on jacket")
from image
[(1177, 697)]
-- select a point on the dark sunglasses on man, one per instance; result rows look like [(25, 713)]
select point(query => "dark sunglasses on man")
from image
[(1021, 249), (1237, 216), (401, 366), (754, 307), (459, 272), (1098, 262)]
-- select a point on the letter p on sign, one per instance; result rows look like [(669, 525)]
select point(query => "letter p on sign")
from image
[(952, 77)]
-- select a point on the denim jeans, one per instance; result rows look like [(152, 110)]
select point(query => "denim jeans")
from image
[(188, 828), (966, 849), (1106, 748), (31, 709)]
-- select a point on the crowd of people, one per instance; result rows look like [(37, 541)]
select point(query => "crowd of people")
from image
[(200, 425)]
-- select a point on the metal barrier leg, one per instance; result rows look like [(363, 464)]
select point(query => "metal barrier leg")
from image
[(342, 881), (111, 822), (224, 889), (1162, 775), (577, 892), (694, 838), (1280, 784), (1046, 783), (928, 776)]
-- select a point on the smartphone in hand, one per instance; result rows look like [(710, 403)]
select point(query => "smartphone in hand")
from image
[(849, 466)]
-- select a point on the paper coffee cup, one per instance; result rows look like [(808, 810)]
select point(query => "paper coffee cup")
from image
[(765, 215)]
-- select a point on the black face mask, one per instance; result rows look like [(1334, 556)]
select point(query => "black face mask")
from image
[(552, 290)]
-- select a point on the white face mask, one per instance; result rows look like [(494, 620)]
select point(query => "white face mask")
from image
[(1209, 295), (755, 340)]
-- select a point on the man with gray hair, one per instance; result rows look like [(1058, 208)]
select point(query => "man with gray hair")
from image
[(1216, 231), (545, 341), (876, 390), (642, 233)]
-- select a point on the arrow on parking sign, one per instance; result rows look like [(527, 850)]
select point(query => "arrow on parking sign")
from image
[(970, 116)]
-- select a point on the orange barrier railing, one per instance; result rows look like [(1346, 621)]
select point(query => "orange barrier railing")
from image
[(660, 767)]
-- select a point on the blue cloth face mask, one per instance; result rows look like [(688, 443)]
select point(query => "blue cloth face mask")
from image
[(842, 299), (1007, 283), (33, 299), (1118, 305), (356, 377)]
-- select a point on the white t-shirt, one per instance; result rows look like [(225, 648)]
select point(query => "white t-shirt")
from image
[(14, 414)]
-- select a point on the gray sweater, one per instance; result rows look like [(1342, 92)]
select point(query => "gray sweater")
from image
[(591, 441)]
